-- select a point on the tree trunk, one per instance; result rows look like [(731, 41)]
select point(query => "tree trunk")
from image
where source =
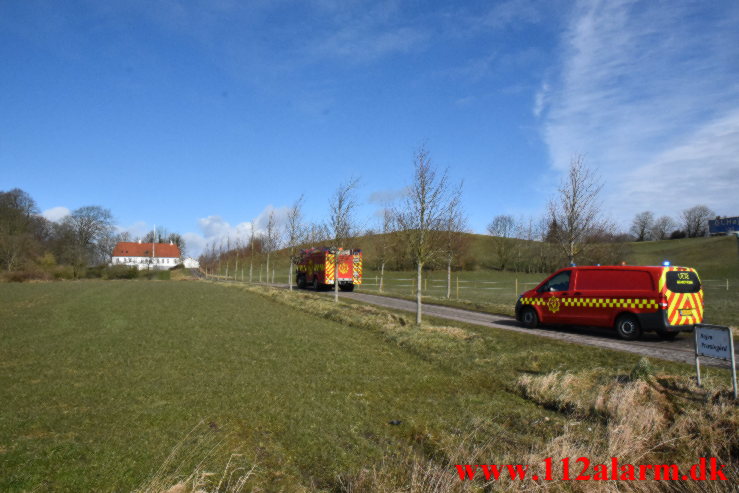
[(336, 277), (382, 274), (449, 278), (418, 293), (290, 274), (267, 267)]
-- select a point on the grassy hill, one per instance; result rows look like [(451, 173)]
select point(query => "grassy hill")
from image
[(716, 257)]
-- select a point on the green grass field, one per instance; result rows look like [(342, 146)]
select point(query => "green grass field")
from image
[(101, 380)]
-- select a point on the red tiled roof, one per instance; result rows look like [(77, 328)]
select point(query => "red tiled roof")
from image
[(134, 249)]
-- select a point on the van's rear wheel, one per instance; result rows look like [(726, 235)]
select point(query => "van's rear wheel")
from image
[(628, 328), (529, 318)]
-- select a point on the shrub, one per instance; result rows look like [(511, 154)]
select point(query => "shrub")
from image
[(20, 276), (642, 371), (160, 275), (63, 272), (95, 272), (120, 272)]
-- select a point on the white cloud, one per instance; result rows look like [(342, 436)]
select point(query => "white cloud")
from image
[(135, 230), (648, 94), (216, 229), (56, 214)]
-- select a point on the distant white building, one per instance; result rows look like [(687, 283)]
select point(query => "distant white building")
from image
[(146, 255), (191, 263)]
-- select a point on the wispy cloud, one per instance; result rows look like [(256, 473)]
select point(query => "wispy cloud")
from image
[(648, 93), (385, 197), (56, 214), (512, 13)]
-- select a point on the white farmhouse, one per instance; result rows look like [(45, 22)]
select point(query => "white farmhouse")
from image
[(191, 263), (146, 255)]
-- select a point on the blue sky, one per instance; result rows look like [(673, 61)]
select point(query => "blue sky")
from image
[(201, 116)]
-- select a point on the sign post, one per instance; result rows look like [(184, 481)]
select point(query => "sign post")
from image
[(715, 341)]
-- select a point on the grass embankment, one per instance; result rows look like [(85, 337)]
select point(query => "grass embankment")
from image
[(100, 382)]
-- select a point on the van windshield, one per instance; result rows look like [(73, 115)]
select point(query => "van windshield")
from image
[(560, 282), (683, 282)]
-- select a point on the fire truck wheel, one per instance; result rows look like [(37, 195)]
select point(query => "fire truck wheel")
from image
[(628, 328), (315, 284), (529, 318), (301, 282), (667, 336)]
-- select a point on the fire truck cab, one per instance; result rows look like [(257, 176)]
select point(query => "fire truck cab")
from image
[(315, 267), (631, 299)]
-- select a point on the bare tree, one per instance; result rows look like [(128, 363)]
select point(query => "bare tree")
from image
[(316, 233), (642, 226), (455, 224), (695, 220), (422, 217), (575, 214), (503, 229), (386, 232), (88, 228), (251, 250), (177, 240), (271, 239), (18, 216), (294, 233), (662, 228), (341, 209)]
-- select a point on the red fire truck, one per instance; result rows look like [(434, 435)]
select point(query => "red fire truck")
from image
[(316, 268), (631, 299)]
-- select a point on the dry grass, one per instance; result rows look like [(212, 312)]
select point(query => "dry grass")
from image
[(642, 421), (201, 444)]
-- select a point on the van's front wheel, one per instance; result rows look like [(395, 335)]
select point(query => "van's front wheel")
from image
[(529, 318), (628, 328)]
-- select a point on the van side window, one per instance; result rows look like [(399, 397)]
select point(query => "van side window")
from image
[(560, 282)]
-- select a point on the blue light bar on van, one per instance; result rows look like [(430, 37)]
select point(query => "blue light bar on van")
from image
[(666, 263)]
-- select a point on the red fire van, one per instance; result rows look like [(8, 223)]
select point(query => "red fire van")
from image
[(631, 299)]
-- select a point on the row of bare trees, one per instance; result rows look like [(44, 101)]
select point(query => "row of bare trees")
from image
[(693, 224), (572, 230), (428, 227)]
